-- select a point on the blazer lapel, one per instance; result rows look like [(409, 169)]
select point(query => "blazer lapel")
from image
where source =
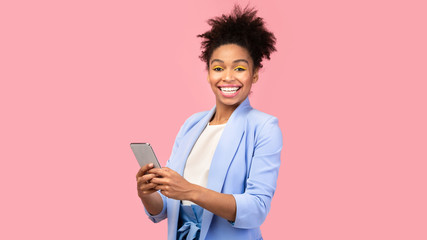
[(188, 142), (178, 164), (224, 153)]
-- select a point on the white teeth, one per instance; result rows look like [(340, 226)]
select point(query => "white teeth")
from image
[(229, 89)]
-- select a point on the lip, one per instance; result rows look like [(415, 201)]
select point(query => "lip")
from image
[(229, 95), (230, 85)]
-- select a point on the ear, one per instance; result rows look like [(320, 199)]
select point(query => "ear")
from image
[(255, 76)]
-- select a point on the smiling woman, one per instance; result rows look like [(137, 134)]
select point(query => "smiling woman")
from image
[(222, 173), (231, 75)]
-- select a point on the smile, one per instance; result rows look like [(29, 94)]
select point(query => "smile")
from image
[(229, 91)]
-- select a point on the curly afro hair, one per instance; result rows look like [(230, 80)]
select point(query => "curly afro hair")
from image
[(241, 27)]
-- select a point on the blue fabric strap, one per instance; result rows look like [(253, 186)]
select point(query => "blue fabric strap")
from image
[(191, 221)]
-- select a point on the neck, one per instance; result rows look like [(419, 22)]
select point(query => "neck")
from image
[(222, 114)]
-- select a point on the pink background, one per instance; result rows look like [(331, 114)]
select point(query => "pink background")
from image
[(80, 80)]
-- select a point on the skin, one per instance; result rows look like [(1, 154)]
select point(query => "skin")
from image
[(230, 64)]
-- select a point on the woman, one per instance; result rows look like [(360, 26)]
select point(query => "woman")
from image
[(221, 176)]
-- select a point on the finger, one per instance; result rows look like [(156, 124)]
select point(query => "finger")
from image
[(166, 169), (162, 187), (147, 186), (146, 191), (144, 169), (163, 181), (169, 171), (141, 183), (159, 172), (146, 177), (165, 193)]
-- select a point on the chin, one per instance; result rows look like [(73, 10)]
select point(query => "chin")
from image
[(230, 102)]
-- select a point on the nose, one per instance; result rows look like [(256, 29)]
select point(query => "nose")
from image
[(229, 75)]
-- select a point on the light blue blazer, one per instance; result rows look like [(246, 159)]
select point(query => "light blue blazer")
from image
[(246, 164)]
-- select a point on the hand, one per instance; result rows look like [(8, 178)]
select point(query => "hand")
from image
[(143, 178), (171, 184)]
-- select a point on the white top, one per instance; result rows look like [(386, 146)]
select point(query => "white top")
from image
[(196, 169)]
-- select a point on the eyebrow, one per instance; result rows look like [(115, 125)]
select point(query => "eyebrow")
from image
[(237, 60)]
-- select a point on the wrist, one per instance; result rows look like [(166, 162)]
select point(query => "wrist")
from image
[(195, 193)]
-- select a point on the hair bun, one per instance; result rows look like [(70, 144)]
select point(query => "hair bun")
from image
[(241, 27)]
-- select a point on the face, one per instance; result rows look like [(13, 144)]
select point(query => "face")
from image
[(231, 75)]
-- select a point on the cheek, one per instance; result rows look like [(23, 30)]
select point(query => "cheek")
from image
[(212, 82), (247, 80), (213, 78)]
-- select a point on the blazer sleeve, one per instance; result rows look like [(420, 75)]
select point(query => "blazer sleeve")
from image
[(254, 204), (163, 214)]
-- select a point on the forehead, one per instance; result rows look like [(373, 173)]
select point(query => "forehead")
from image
[(230, 52)]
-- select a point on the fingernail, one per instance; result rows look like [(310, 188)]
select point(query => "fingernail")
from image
[(150, 165)]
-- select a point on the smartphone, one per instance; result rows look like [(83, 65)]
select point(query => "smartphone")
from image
[(144, 154)]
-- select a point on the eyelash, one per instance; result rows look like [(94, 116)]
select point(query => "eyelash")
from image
[(238, 68), (218, 68)]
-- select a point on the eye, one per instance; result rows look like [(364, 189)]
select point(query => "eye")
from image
[(239, 68), (217, 68)]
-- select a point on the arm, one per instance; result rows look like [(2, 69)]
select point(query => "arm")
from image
[(246, 210), (154, 204), (173, 185), (254, 204), (146, 191), (223, 205)]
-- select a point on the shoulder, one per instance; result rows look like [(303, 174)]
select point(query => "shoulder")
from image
[(261, 125), (256, 118), (195, 118), (192, 121)]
